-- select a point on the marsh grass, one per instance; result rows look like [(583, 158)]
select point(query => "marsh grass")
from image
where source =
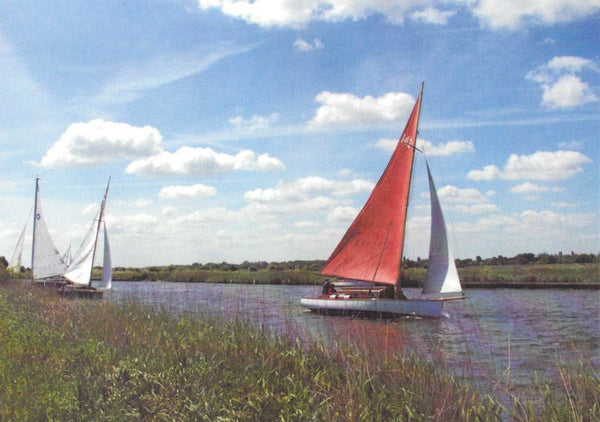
[(97, 360)]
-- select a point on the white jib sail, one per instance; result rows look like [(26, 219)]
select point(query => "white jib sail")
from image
[(80, 269), (442, 278), (46, 260), (107, 264)]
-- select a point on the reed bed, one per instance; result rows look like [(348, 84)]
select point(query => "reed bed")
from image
[(96, 360)]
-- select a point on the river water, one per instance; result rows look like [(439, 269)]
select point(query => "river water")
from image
[(497, 338)]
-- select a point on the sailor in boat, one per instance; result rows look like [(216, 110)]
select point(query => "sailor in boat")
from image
[(325, 288)]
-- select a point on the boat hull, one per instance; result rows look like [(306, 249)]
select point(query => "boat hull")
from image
[(80, 292), (373, 306)]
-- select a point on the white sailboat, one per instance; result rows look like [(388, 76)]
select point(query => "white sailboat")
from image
[(47, 265), (74, 277), (371, 250)]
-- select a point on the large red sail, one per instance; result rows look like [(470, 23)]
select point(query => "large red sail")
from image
[(371, 249)]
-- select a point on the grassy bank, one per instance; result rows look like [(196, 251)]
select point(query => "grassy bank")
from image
[(549, 274), (529, 275), (95, 360), (307, 272)]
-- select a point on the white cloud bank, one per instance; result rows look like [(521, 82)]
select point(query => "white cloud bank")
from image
[(201, 162), (496, 14), (99, 142), (542, 166), (344, 109), (561, 83)]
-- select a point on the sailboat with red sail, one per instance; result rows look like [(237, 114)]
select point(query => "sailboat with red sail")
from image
[(371, 250)]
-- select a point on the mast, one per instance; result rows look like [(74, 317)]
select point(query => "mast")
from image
[(100, 217), (397, 286), (35, 216)]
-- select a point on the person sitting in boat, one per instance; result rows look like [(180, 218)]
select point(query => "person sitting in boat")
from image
[(326, 287), (332, 290)]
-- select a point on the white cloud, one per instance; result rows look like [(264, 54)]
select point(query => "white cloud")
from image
[(549, 219), (254, 123), (528, 188), (432, 15), (304, 45), (449, 148), (561, 87), (568, 91), (297, 13), (466, 201), (490, 172), (452, 194), (342, 214), (188, 191), (303, 189), (343, 109), (542, 165), (201, 162), (513, 14), (497, 14), (99, 141)]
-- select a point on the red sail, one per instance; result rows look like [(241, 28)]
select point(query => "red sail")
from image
[(371, 249)]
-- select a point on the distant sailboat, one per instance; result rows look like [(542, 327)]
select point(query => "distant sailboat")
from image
[(371, 250), (16, 259), (75, 276), (47, 265)]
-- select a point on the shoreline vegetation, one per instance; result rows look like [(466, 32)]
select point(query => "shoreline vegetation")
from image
[(97, 360), (574, 271)]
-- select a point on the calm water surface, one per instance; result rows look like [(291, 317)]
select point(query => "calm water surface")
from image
[(501, 337)]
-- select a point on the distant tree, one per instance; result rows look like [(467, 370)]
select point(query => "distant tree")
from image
[(3, 262)]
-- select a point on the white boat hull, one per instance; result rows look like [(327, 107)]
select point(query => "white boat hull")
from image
[(374, 306)]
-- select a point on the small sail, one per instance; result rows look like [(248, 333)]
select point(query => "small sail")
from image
[(80, 269), (16, 259), (371, 249), (107, 264), (46, 260), (442, 278)]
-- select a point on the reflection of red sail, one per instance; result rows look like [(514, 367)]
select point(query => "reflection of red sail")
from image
[(371, 249)]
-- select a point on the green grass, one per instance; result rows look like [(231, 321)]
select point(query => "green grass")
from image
[(95, 360)]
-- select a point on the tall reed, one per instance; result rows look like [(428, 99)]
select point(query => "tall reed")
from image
[(97, 360)]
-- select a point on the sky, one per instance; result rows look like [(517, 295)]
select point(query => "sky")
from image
[(236, 130)]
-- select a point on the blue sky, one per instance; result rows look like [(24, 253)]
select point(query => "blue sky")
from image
[(238, 130)]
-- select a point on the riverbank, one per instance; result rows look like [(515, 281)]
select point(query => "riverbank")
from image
[(483, 276), (530, 276), (91, 360)]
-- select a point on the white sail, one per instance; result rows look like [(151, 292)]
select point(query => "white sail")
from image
[(16, 259), (80, 269), (442, 278), (107, 264), (46, 261)]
